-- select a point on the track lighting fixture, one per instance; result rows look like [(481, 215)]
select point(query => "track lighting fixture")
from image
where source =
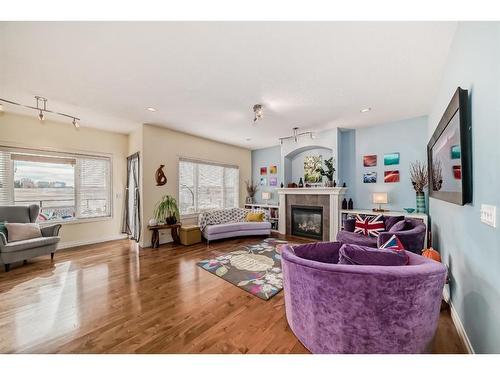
[(295, 136), (41, 108)]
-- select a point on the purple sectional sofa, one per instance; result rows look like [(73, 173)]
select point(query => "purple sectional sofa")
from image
[(411, 233), (339, 308), (231, 222)]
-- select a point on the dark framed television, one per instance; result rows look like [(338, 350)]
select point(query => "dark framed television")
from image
[(449, 153)]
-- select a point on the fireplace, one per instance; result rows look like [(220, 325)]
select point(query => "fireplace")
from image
[(307, 221)]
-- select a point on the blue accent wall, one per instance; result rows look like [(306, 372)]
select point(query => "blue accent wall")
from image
[(265, 157), (469, 248), (347, 161), (409, 138)]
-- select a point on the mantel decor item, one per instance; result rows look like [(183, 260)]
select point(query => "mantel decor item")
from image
[(328, 172), (450, 150), (419, 180), (251, 190), (160, 177), (166, 210)]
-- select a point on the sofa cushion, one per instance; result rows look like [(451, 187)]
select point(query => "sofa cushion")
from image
[(393, 243), (401, 226), (233, 227), (366, 256), (391, 220), (22, 231), (29, 244), (359, 239), (255, 216)]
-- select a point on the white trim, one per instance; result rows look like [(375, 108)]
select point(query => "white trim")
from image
[(69, 244), (457, 322)]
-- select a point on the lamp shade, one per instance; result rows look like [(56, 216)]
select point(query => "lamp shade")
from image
[(380, 198), (266, 195)]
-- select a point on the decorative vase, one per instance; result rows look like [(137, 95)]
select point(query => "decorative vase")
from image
[(152, 222), (301, 183), (282, 185), (171, 220), (344, 204), (350, 205), (420, 202)]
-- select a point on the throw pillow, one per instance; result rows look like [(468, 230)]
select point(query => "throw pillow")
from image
[(393, 243), (368, 256), (401, 226), (22, 231), (369, 225), (255, 216), (391, 220)]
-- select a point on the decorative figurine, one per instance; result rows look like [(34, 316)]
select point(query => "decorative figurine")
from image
[(160, 177), (350, 205)]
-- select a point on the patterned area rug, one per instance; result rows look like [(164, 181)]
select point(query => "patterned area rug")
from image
[(254, 268)]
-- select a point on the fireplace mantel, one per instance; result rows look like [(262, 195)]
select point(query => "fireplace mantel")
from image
[(335, 194)]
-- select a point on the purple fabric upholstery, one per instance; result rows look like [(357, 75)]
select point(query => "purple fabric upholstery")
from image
[(391, 220), (412, 236), (233, 227), (369, 256), (356, 239), (349, 224), (337, 308)]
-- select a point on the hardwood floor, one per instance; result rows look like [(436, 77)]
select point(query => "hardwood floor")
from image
[(117, 298)]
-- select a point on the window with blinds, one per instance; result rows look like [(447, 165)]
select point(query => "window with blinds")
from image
[(65, 186), (205, 186)]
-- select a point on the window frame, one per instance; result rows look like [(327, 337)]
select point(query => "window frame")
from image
[(68, 153), (195, 179)]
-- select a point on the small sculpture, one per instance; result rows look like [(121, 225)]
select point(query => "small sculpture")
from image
[(160, 177)]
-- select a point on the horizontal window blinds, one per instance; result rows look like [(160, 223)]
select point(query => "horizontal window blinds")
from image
[(93, 187)]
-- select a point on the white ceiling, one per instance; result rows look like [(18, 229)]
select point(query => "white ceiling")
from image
[(205, 77)]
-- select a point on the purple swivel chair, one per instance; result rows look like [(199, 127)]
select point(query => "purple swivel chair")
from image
[(339, 308), (411, 233)]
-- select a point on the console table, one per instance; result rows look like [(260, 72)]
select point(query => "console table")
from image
[(155, 237)]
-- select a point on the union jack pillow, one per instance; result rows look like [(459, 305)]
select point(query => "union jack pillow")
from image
[(369, 225), (393, 243)]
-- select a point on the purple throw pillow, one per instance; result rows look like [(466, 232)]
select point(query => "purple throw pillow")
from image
[(401, 226), (391, 220), (367, 256)]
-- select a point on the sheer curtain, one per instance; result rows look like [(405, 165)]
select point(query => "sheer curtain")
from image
[(132, 217)]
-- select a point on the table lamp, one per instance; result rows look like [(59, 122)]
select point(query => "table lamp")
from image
[(266, 195), (380, 199)]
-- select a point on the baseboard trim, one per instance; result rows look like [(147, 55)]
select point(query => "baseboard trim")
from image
[(69, 244), (457, 322)]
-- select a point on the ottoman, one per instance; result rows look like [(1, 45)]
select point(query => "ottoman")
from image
[(190, 234)]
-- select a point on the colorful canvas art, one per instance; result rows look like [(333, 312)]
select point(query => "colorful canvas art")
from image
[(273, 169), (391, 176), (391, 159), (457, 172), (311, 165), (455, 152), (370, 160), (273, 181), (370, 177), (263, 171), (263, 181)]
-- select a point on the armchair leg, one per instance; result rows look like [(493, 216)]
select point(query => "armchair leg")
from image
[(25, 261), (52, 256), (7, 267)]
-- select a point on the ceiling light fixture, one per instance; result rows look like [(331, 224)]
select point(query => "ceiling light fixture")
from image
[(258, 112), (364, 110), (295, 136), (151, 109), (41, 108)]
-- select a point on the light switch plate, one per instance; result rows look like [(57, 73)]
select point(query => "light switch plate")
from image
[(489, 215)]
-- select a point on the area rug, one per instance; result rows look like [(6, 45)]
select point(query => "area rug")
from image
[(254, 268)]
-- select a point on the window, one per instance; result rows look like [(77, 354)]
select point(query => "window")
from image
[(65, 186), (206, 186)]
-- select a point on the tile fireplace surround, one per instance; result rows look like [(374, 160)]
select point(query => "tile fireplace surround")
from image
[(328, 198)]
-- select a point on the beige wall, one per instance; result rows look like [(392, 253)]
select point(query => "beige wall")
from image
[(164, 146), (28, 131)]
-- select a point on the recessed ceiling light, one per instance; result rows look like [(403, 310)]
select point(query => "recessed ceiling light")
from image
[(151, 109), (248, 139), (364, 110)]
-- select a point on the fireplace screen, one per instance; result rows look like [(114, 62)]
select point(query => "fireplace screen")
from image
[(307, 221)]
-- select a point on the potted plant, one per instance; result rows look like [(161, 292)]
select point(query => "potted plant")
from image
[(328, 172), (166, 210), (251, 190), (419, 179)]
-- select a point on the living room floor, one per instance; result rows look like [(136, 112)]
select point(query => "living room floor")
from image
[(115, 298)]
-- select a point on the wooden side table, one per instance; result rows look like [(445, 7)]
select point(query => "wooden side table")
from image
[(155, 236)]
